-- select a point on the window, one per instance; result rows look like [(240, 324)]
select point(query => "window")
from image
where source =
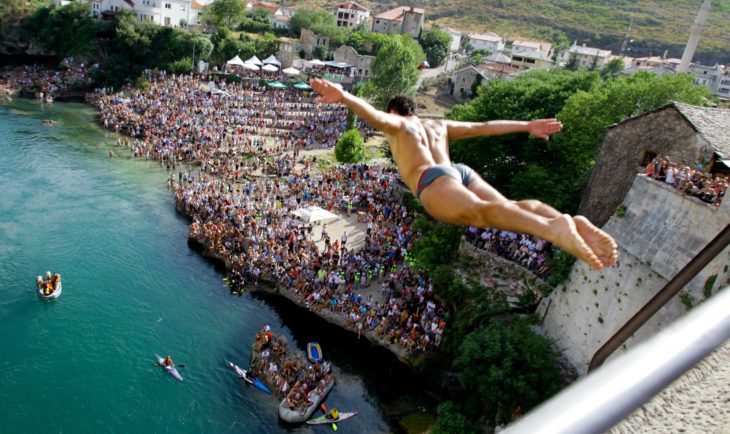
[(725, 90), (182, 8), (167, 21), (168, 6)]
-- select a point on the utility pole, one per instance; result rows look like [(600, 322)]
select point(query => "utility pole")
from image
[(627, 39)]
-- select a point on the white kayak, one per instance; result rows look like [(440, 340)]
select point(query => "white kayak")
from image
[(172, 370)]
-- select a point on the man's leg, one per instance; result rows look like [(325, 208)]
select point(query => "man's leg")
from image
[(486, 192), (449, 201)]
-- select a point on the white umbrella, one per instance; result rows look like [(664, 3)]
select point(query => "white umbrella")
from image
[(235, 61), (255, 60), (272, 60), (250, 66), (291, 71), (270, 68), (316, 62)]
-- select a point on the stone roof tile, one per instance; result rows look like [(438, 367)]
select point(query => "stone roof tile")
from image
[(711, 123)]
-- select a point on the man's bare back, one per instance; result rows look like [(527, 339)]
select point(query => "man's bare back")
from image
[(456, 194)]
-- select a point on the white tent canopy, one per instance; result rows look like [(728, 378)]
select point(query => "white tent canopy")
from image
[(272, 60), (314, 214), (270, 68), (316, 62), (250, 66), (291, 71), (235, 61), (255, 60)]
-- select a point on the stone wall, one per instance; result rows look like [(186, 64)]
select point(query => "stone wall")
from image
[(659, 234), (665, 132)]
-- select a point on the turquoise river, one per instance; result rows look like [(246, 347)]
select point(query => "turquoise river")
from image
[(131, 288)]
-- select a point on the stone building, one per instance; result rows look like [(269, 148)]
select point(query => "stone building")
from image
[(584, 57), (360, 63), (308, 40), (463, 80), (658, 233), (677, 131), (403, 20)]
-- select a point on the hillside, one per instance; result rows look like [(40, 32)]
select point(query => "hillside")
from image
[(658, 25)]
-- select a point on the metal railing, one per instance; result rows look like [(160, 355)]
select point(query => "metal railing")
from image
[(609, 394)]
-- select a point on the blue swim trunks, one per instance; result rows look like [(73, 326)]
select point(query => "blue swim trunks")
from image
[(459, 172)]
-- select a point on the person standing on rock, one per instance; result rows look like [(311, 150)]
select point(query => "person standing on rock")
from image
[(454, 193)]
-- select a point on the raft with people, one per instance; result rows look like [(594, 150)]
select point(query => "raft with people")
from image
[(301, 386), (49, 288)]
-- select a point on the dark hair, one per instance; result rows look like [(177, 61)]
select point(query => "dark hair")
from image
[(404, 105)]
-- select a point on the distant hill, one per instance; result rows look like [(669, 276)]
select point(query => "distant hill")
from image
[(658, 25)]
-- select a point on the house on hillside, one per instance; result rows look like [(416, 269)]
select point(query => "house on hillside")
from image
[(170, 13), (543, 49), (677, 131), (455, 38), (488, 41), (279, 16), (360, 62), (350, 14), (464, 79), (531, 60), (403, 20), (584, 57)]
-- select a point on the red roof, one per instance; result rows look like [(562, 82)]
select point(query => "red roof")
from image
[(397, 13), (195, 5)]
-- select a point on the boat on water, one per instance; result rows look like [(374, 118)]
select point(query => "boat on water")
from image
[(250, 379), (314, 352), (299, 416), (323, 419), (172, 370), (49, 288)]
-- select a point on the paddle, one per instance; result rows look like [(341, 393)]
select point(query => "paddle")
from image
[(324, 409), (177, 366)]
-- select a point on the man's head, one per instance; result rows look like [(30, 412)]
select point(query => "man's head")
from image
[(402, 105)]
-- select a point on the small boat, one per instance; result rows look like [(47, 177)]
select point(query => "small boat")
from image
[(53, 294), (314, 352), (172, 370), (299, 416), (242, 374), (323, 419)]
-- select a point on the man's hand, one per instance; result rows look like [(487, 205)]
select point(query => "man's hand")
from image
[(329, 93), (542, 128)]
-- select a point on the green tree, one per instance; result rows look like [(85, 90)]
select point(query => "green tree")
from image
[(395, 70), (435, 45), (507, 367), (256, 21), (320, 52), (314, 19), (612, 68), (182, 66), (451, 420), (65, 31), (438, 243), (350, 148), (228, 12)]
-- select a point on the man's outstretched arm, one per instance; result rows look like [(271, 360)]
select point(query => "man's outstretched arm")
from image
[(541, 128), (331, 94)]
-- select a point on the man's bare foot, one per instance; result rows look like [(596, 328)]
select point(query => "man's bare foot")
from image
[(600, 242), (567, 237)]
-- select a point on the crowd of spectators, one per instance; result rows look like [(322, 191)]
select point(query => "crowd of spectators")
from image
[(252, 225), (689, 179), (177, 118), (46, 83), (529, 251)]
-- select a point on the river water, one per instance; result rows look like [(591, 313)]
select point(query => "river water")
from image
[(131, 288)]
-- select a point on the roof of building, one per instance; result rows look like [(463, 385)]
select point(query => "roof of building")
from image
[(498, 67), (399, 12), (195, 5), (538, 45), (711, 123), (499, 58), (352, 5), (488, 36), (450, 30), (271, 7), (656, 69), (589, 51)]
